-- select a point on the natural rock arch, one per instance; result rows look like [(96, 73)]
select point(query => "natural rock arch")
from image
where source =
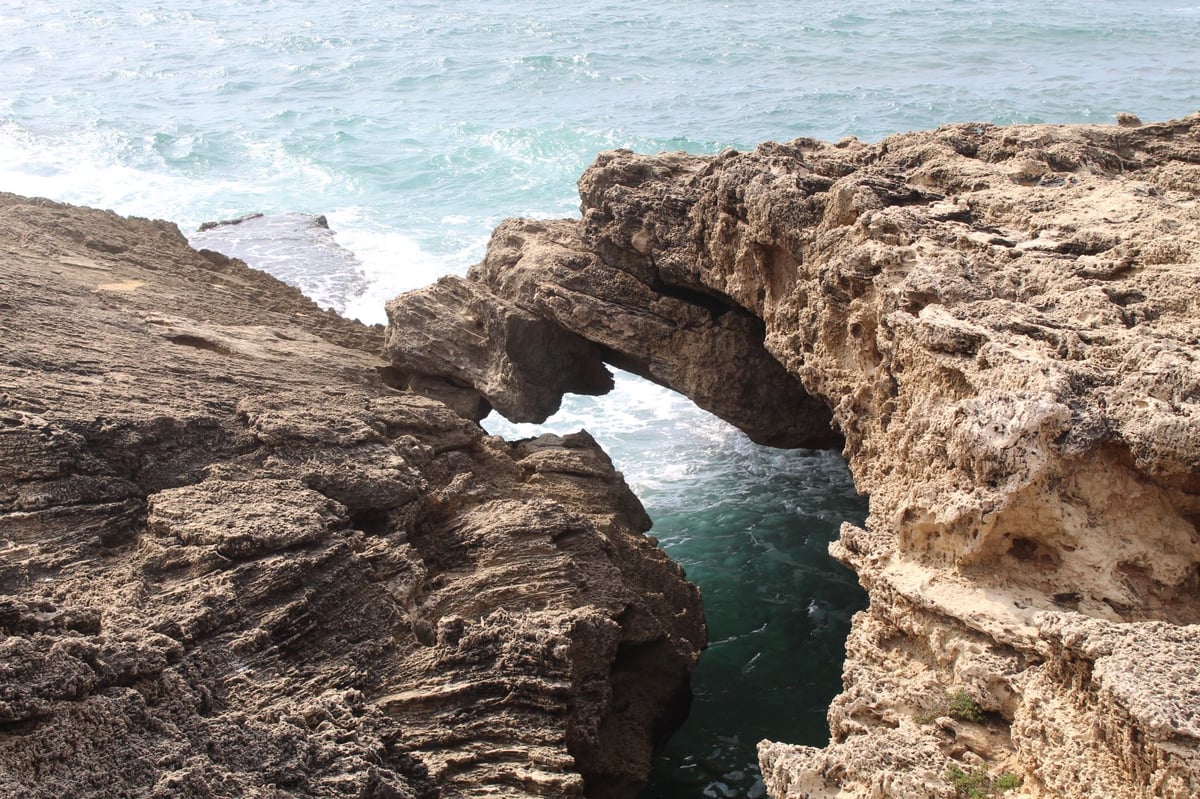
[(1001, 325)]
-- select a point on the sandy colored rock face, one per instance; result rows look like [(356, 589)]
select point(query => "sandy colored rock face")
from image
[(234, 561), (1004, 326)]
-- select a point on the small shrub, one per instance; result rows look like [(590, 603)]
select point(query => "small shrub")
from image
[(973, 784), (1006, 782), (976, 784), (962, 706)]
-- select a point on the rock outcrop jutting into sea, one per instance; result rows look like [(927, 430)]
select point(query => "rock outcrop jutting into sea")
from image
[(1002, 325), (235, 561)]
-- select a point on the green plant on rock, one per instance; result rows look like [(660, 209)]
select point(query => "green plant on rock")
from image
[(973, 784), (976, 784), (1006, 782), (962, 706)]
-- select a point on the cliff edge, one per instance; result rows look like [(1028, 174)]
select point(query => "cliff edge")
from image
[(1000, 326), (235, 560)]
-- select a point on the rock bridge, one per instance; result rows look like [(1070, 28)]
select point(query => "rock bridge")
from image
[(998, 325)]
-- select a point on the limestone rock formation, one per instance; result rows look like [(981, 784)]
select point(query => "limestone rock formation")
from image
[(235, 561), (1003, 324), (544, 316)]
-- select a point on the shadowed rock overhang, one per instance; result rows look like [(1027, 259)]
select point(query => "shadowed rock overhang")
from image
[(543, 314)]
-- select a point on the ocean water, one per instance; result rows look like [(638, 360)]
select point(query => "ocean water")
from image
[(414, 127)]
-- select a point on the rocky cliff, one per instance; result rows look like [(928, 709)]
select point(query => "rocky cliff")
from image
[(1000, 326), (235, 560)]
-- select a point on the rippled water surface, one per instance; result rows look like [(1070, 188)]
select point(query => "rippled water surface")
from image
[(416, 127)]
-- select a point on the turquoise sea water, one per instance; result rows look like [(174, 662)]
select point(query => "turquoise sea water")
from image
[(415, 127)]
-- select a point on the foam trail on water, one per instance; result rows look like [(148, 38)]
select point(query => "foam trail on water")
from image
[(85, 171)]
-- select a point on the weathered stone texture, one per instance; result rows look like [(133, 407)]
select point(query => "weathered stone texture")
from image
[(234, 561), (1003, 324)]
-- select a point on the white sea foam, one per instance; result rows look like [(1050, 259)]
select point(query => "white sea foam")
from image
[(92, 168), (393, 262), (83, 171)]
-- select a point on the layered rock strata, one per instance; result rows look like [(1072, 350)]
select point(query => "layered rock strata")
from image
[(1003, 326), (236, 561)]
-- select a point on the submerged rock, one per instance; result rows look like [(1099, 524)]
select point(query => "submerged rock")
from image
[(299, 249), (234, 561), (1001, 324)]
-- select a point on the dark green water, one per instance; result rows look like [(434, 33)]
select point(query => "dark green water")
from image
[(752, 531)]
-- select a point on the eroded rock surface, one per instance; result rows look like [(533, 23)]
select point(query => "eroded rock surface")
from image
[(1003, 324), (543, 316), (234, 561)]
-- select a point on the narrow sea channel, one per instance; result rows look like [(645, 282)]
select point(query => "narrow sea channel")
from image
[(751, 525)]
